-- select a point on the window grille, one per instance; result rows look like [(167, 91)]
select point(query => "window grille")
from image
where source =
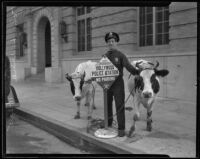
[(84, 28), (153, 26)]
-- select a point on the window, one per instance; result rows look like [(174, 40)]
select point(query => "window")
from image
[(21, 40), (84, 28), (153, 26), (162, 25)]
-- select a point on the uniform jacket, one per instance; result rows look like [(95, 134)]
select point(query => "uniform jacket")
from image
[(120, 61)]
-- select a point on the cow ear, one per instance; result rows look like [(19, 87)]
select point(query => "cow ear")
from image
[(161, 73), (83, 75), (68, 77)]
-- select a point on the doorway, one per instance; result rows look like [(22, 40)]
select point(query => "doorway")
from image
[(48, 45), (44, 45)]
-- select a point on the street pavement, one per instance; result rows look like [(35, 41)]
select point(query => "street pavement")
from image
[(174, 121), (24, 138)]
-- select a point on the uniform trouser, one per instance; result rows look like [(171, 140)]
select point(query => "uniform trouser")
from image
[(117, 91)]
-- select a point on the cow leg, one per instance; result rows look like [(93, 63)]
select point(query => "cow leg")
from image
[(93, 105), (77, 116), (93, 95), (89, 123), (149, 115), (149, 120), (86, 102), (136, 117), (89, 105)]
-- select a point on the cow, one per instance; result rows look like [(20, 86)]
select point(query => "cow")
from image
[(82, 86), (144, 88)]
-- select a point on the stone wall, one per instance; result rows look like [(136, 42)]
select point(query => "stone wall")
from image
[(15, 16), (180, 56), (69, 16), (117, 19), (183, 26)]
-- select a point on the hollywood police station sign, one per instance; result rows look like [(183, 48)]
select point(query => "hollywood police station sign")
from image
[(105, 73)]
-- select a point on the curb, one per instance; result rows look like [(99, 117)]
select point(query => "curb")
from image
[(72, 135)]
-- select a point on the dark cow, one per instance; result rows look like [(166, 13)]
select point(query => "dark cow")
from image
[(82, 86), (144, 89)]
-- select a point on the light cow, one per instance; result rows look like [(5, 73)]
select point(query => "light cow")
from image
[(82, 86), (144, 89)]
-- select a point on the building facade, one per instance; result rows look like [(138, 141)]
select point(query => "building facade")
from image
[(54, 40)]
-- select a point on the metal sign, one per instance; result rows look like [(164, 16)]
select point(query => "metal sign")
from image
[(105, 73)]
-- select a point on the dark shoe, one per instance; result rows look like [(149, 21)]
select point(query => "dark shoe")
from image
[(109, 125), (121, 133)]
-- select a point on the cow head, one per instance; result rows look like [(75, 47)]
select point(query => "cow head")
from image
[(76, 80), (148, 79)]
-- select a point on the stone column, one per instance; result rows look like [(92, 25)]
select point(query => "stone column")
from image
[(29, 20), (56, 37)]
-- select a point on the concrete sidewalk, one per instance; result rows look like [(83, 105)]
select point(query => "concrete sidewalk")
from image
[(174, 122)]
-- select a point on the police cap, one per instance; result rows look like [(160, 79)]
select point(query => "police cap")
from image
[(111, 35)]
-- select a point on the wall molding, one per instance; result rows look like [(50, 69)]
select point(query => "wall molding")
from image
[(133, 56)]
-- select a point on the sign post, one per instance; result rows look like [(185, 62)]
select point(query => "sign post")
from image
[(105, 74), (105, 108)]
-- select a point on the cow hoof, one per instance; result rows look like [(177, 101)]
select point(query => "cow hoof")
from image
[(149, 125), (132, 129), (77, 116), (86, 104), (94, 107), (89, 117)]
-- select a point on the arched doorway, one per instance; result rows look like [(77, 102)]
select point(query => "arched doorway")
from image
[(44, 44), (48, 45)]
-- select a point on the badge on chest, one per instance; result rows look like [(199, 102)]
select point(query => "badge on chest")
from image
[(116, 60)]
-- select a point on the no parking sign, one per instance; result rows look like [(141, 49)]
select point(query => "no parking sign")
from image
[(105, 75)]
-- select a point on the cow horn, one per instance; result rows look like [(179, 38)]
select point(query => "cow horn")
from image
[(150, 63), (157, 64), (137, 64)]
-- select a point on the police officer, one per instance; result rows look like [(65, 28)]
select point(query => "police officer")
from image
[(117, 88)]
